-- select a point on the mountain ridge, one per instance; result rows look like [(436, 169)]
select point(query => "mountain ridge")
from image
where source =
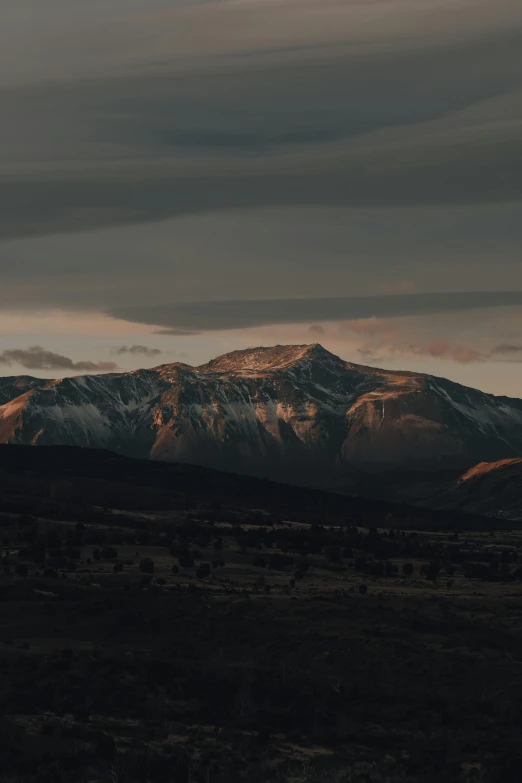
[(287, 412)]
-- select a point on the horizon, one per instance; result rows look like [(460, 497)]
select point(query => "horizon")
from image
[(246, 350)]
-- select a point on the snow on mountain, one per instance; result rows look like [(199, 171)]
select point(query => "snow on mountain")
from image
[(290, 412)]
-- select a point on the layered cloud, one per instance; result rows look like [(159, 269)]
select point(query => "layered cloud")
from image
[(193, 317), (312, 102), (38, 358)]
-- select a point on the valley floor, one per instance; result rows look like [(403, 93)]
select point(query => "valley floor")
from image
[(299, 653)]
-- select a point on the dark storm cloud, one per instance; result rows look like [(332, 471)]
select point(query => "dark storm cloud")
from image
[(404, 125), (191, 317), (37, 358)]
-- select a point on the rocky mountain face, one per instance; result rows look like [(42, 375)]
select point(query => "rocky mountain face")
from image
[(489, 488), (296, 413)]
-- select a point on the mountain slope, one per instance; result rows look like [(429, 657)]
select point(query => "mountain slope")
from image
[(489, 488), (291, 412)]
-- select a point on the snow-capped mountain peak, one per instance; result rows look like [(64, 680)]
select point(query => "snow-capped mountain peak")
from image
[(293, 412)]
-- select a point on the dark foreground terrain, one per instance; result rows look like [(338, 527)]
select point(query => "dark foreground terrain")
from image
[(169, 624)]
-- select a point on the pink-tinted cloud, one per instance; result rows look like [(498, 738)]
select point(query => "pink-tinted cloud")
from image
[(382, 328)]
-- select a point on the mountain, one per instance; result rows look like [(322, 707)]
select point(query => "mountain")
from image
[(67, 482), (489, 488), (296, 413)]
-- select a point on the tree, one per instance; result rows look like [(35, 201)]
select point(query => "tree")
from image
[(147, 566), (390, 568), (432, 571), (333, 553), (278, 562)]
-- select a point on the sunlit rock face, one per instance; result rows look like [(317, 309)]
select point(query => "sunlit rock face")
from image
[(291, 412)]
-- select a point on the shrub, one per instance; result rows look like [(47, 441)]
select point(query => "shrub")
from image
[(52, 539), (203, 570), (407, 570), (333, 553), (431, 570), (278, 562), (147, 566), (175, 569), (185, 560), (363, 589), (21, 569), (96, 555), (117, 568), (259, 561), (109, 553)]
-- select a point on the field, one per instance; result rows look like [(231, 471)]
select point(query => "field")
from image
[(216, 644)]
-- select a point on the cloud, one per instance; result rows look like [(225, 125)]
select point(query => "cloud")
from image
[(435, 349), (37, 358), (447, 349), (136, 350), (392, 345), (316, 329), (507, 349), (371, 327), (193, 317), (215, 132)]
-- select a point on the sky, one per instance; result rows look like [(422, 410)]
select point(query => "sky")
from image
[(181, 178)]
